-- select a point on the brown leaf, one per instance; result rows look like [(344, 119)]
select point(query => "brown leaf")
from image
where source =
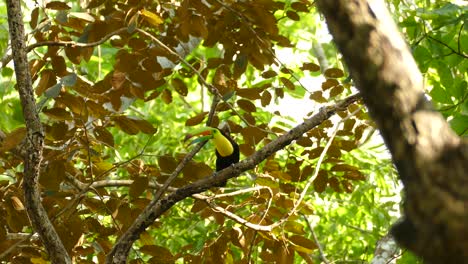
[(287, 83), (265, 19), (162, 253), (266, 98), (281, 175), (359, 130), (348, 145), (310, 66), (349, 124), (144, 126), (58, 131), (34, 18), (12, 139), (59, 65), (166, 96), (179, 86), (253, 135), (334, 151), (303, 242), (317, 96), (57, 114), (138, 92), (54, 175), (126, 124), (194, 171), (336, 90), (333, 73), (96, 109), (249, 117), (347, 186), (56, 5), (354, 175), (249, 93), (292, 15), (304, 141), (335, 184), (246, 149), (246, 105), (329, 83), (344, 167), (167, 164), (271, 165), (198, 205), (193, 121), (265, 180), (48, 79), (214, 62), (138, 186), (73, 54), (279, 92), (198, 26), (269, 74), (300, 7), (320, 183)]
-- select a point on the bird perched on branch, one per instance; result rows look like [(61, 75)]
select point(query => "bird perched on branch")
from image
[(227, 150)]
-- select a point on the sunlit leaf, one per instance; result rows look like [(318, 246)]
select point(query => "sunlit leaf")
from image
[(151, 17)]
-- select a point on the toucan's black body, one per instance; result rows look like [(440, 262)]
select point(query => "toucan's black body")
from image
[(224, 162), (227, 150)]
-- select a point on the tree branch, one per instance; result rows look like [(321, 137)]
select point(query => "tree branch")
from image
[(156, 208), (34, 141), (431, 159)]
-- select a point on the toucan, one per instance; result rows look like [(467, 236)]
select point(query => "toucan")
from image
[(227, 150)]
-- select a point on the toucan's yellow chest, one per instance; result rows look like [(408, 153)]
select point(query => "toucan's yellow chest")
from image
[(222, 144)]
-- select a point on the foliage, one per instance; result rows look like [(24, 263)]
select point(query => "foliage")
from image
[(117, 109), (439, 38)]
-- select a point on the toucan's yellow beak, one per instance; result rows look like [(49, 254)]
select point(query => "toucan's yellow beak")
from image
[(222, 144)]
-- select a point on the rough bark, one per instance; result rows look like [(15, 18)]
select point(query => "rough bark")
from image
[(431, 159), (34, 142), (386, 251)]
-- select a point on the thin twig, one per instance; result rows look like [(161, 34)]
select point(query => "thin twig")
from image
[(317, 242)]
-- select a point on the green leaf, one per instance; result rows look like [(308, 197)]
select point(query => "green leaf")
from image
[(458, 89), (440, 95), (7, 72), (460, 124), (422, 55)]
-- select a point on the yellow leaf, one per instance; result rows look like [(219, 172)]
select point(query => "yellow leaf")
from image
[(38, 261), (151, 17)]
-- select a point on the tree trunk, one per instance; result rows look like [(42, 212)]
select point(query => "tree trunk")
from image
[(431, 159)]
